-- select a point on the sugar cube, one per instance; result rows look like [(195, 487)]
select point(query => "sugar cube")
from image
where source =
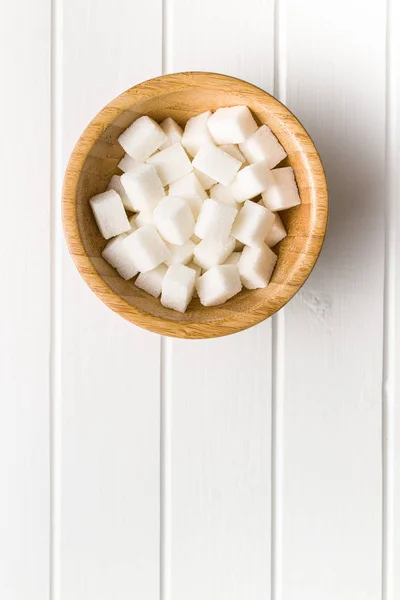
[(146, 248), (174, 220), (143, 187), (223, 193), (219, 284), (116, 184), (263, 146), (180, 254), (109, 214), (142, 138), (127, 163), (187, 186), (277, 232), (233, 150), (216, 163), (233, 259), (196, 133), (251, 181), (252, 224), (206, 181), (190, 189), (215, 220), (171, 164), (173, 132), (198, 271), (115, 254), (283, 193), (256, 266), (177, 287), (143, 218), (151, 281), (209, 253), (231, 125)]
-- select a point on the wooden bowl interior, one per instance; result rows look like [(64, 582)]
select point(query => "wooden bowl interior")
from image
[(304, 227)]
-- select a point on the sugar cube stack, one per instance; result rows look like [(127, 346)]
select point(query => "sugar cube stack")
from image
[(198, 226)]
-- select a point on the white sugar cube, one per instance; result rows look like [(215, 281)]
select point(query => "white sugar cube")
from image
[(178, 287), (116, 184), (190, 189), (142, 138), (223, 193), (215, 220), (216, 163), (146, 248), (231, 125), (180, 254), (171, 164), (174, 220), (187, 186), (172, 130), (251, 181), (277, 232), (109, 214), (233, 259), (283, 193), (115, 254), (151, 282), (143, 187), (198, 271), (253, 224), (256, 266), (127, 163), (206, 181), (218, 284), (233, 150), (263, 146), (196, 133), (143, 218), (209, 253)]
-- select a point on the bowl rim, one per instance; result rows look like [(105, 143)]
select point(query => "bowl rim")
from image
[(228, 324)]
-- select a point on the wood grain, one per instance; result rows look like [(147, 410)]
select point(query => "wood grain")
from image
[(95, 159), (25, 159)]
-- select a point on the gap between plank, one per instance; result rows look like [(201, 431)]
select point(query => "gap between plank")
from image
[(278, 348), (56, 298), (388, 383)]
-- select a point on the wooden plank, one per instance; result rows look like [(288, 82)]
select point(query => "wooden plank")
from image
[(25, 105), (110, 405), (330, 497), (217, 476)]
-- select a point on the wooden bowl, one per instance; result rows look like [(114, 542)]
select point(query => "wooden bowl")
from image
[(94, 160)]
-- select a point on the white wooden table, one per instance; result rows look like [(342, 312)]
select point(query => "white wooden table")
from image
[(265, 465)]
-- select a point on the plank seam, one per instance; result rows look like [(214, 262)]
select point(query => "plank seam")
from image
[(388, 375)]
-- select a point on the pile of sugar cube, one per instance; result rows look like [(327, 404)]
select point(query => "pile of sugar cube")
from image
[(195, 210)]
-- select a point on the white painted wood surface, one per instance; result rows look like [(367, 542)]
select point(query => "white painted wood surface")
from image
[(263, 465)]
